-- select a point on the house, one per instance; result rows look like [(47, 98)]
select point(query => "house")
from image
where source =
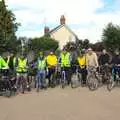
[(62, 33)]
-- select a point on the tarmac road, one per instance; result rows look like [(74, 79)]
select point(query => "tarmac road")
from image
[(59, 104)]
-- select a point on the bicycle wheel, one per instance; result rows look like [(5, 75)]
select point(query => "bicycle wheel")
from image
[(110, 84), (46, 83), (8, 93), (75, 80), (23, 85), (53, 80), (92, 83)]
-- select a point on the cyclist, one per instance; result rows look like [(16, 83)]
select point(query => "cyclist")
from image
[(65, 60), (11, 61), (104, 58), (22, 65), (41, 65), (104, 61), (116, 64), (51, 64), (82, 66), (4, 66), (92, 60)]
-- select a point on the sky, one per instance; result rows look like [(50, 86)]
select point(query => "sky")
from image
[(86, 18)]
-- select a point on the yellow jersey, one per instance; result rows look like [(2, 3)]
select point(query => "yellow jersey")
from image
[(51, 60), (82, 61)]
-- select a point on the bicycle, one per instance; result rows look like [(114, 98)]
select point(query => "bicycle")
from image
[(112, 82), (94, 80), (22, 82), (106, 73), (63, 78), (54, 77), (5, 84), (76, 79)]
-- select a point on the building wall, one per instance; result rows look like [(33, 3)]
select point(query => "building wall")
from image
[(63, 35)]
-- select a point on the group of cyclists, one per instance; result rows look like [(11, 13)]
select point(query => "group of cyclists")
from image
[(46, 66)]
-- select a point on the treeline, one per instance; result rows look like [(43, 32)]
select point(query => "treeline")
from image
[(9, 42)]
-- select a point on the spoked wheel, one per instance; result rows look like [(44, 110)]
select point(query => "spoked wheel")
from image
[(110, 85), (23, 85), (53, 81), (8, 89), (92, 83), (75, 81), (45, 83), (8, 93), (63, 84)]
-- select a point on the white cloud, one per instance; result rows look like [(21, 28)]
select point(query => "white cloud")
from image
[(76, 12)]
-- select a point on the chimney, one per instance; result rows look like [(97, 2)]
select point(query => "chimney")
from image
[(46, 30), (62, 20)]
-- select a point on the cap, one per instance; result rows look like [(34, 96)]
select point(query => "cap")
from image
[(89, 49)]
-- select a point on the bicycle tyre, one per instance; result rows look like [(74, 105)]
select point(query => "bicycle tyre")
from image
[(75, 81), (92, 83), (110, 85), (23, 85)]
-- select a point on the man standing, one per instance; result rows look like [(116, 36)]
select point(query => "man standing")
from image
[(22, 69), (81, 60), (92, 59), (104, 58), (65, 60), (41, 65), (51, 64), (11, 61)]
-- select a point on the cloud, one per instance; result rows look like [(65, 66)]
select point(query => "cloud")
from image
[(90, 15)]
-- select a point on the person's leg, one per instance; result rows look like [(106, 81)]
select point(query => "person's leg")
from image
[(37, 79), (43, 79), (49, 75), (84, 75), (114, 71), (118, 72), (67, 75), (26, 80)]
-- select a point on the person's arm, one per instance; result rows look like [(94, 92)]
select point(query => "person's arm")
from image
[(0, 63), (96, 60)]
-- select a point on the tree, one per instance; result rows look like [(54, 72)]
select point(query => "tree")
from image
[(43, 43), (111, 36), (8, 28), (98, 46)]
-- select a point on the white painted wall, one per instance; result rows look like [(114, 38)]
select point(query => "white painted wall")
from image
[(63, 35)]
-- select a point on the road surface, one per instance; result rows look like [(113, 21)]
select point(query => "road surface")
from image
[(59, 104)]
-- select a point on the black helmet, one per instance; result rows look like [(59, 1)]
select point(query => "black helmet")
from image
[(83, 51)]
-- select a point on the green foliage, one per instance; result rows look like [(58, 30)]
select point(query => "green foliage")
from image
[(8, 27), (43, 43), (111, 36)]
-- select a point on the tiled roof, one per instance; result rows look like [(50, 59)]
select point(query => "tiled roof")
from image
[(60, 26)]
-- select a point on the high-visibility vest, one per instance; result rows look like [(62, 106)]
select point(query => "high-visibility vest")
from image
[(65, 60), (41, 64), (22, 65), (3, 64)]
